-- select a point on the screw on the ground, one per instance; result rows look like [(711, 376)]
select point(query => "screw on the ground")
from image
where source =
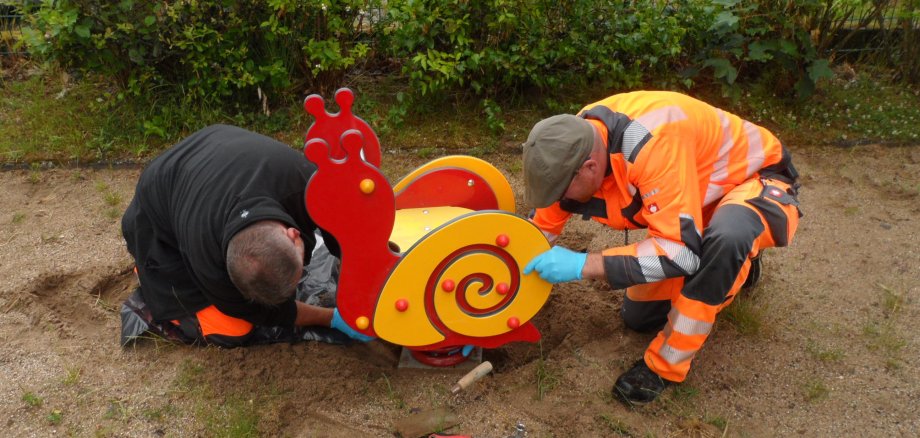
[(519, 431)]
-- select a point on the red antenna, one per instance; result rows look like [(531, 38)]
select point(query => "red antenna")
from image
[(331, 127)]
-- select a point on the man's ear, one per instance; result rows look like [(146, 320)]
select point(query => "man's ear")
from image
[(590, 164)]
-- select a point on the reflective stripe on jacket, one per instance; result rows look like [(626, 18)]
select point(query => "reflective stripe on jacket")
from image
[(671, 158)]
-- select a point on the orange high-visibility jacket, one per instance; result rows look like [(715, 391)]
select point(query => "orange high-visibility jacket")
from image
[(672, 158)]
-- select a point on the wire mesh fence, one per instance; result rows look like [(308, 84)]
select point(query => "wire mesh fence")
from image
[(875, 33), (10, 31)]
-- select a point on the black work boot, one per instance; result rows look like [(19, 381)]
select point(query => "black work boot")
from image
[(639, 385), (753, 273)]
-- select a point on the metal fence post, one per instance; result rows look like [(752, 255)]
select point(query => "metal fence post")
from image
[(10, 31)]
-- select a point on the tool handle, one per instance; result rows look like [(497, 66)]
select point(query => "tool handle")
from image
[(471, 377)]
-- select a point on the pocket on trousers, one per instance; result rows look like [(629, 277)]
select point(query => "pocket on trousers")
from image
[(779, 206)]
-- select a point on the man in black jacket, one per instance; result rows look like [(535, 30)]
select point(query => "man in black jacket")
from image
[(220, 233)]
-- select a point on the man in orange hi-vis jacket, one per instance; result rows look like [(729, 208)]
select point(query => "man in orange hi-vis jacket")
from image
[(713, 190)]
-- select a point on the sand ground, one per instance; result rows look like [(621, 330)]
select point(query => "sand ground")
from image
[(825, 345)]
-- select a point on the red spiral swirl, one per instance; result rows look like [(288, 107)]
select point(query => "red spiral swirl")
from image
[(481, 277)]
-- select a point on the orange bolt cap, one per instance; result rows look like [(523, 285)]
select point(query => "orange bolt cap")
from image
[(367, 186)]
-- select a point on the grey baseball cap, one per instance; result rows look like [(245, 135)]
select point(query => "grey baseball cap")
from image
[(555, 150)]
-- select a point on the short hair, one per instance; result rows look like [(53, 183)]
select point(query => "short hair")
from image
[(262, 263)]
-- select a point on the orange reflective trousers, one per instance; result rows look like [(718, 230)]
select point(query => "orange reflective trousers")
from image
[(759, 213)]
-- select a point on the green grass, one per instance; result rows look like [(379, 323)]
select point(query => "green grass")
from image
[(870, 108), (681, 401), (72, 377), (31, 400), (227, 415), (615, 425), (746, 315), (822, 354), (111, 198), (717, 421), (815, 390), (91, 122), (113, 213), (35, 173), (55, 417), (546, 378), (684, 393), (234, 417), (892, 301), (893, 364), (881, 334), (188, 380), (883, 337), (50, 116), (117, 410), (160, 413), (36, 124), (515, 167), (426, 152), (18, 218), (394, 396)]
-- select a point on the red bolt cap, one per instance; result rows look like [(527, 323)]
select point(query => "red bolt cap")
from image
[(502, 240), (402, 304), (502, 288), (448, 285), (513, 322)]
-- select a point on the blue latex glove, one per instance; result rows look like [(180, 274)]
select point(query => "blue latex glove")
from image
[(466, 350), (339, 324), (558, 265)]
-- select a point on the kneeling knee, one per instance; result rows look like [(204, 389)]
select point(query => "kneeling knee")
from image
[(644, 322)]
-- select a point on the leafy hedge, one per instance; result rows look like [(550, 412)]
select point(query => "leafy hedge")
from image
[(207, 50), (219, 50), (763, 38), (493, 46)]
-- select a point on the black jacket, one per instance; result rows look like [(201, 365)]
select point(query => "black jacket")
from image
[(192, 199)]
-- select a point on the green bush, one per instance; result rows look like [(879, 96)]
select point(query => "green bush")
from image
[(495, 46), (759, 40), (220, 50), (491, 47), (206, 50)]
